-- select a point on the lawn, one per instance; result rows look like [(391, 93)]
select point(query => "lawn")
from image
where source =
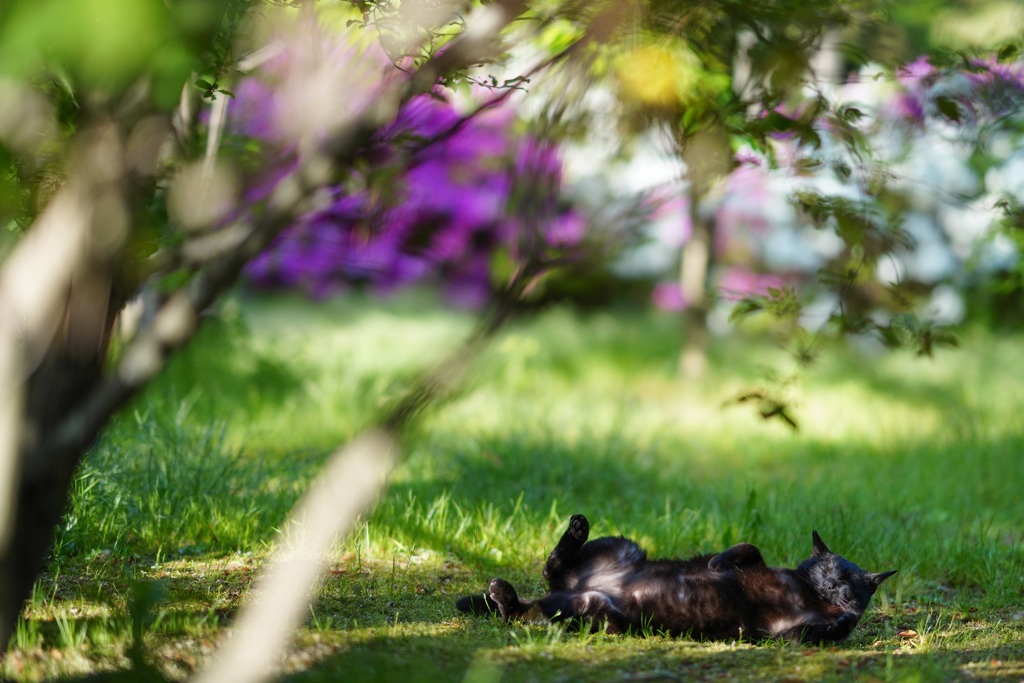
[(900, 462)]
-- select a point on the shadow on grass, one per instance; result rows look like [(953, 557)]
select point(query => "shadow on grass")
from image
[(246, 381), (496, 657), (499, 652), (949, 512), (513, 486)]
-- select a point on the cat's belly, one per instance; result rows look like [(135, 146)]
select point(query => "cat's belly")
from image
[(609, 573), (684, 605)]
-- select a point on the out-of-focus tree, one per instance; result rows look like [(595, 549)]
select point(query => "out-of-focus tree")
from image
[(122, 180), (756, 82), (157, 148), (711, 75), (903, 196), (87, 122)]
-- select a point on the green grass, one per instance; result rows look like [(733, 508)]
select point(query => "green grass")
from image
[(900, 463)]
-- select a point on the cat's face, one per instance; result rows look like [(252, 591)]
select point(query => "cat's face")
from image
[(838, 580)]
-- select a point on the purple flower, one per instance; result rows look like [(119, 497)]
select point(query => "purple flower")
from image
[(736, 283), (567, 230), (669, 297), (985, 89), (748, 157), (742, 212), (440, 197), (254, 109), (917, 74), (668, 207), (906, 107), (998, 88)]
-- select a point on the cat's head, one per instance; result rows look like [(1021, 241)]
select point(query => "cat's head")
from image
[(839, 581)]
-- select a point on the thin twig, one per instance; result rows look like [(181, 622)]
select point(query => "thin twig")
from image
[(495, 101)]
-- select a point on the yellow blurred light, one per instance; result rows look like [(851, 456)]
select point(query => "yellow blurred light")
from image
[(647, 75), (656, 75)]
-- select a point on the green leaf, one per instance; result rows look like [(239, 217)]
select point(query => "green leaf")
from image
[(889, 336), (930, 336), (949, 109), (1009, 53), (836, 276), (842, 169), (745, 307), (850, 114), (809, 136), (777, 122)]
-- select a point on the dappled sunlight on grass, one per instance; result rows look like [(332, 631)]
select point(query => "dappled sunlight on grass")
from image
[(899, 462), (291, 376)]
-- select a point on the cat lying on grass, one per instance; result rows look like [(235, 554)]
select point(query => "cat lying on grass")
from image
[(731, 595)]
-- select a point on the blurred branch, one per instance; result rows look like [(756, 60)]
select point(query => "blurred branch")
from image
[(345, 490), (34, 283), (218, 117), (175, 322), (55, 267), (55, 297)]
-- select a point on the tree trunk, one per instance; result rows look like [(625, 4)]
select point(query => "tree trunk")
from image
[(695, 262), (708, 158), (52, 394)]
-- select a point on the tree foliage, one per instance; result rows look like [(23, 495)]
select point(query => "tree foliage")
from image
[(152, 150)]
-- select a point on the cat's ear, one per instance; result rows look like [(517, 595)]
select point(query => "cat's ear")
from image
[(819, 547), (879, 577)]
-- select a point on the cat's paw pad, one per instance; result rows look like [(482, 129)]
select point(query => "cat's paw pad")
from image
[(579, 526)]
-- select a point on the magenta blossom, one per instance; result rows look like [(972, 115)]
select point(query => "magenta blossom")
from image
[(442, 195), (737, 283), (985, 90), (668, 296), (998, 87), (438, 194)]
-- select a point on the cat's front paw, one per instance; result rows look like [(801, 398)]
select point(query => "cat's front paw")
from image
[(579, 527), (841, 627)]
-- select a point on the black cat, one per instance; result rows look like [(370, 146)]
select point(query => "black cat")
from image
[(731, 595)]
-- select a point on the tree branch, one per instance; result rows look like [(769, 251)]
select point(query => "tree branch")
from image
[(346, 489), (175, 322)]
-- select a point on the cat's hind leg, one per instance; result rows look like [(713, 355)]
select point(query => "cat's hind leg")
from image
[(564, 557), (502, 594), (740, 556)]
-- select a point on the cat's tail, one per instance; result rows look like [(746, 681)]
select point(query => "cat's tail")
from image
[(478, 604)]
